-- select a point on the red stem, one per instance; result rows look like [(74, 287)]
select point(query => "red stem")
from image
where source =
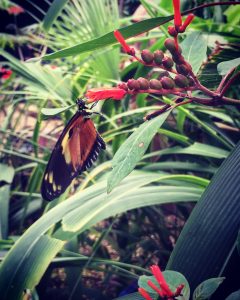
[(230, 81)]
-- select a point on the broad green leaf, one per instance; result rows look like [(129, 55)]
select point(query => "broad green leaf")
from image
[(197, 252), (132, 296), (173, 279), (234, 296), (6, 173), (34, 262), (55, 111), (133, 149), (101, 206), (53, 12), (233, 14), (109, 39), (194, 50), (194, 149), (225, 66), (127, 196), (4, 208), (207, 288)]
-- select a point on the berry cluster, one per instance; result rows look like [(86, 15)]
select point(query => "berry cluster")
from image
[(165, 81), (177, 77)]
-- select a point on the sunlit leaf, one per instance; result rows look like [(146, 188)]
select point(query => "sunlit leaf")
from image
[(133, 149)]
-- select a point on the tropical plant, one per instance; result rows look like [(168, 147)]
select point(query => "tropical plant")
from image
[(109, 226)]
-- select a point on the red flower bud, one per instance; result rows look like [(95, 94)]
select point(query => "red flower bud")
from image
[(144, 83), (147, 56), (172, 31), (186, 22), (163, 74), (167, 62), (170, 44), (155, 84), (123, 85), (122, 41), (167, 83), (158, 57), (182, 69), (177, 14), (133, 84), (178, 58), (181, 81)]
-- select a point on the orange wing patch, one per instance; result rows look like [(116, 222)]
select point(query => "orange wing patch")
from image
[(75, 151)]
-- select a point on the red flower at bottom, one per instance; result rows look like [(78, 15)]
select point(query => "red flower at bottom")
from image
[(5, 74), (15, 10), (164, 291), (96, 94)]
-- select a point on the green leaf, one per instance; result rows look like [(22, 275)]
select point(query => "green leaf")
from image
[(81, 211), (53, 12), (131, 193), (202, 248), (4, 208), (194, 149), (55, 111), (133, 149), (233, 14), (109, 39), (234, 296), (34, 262), (194, 50), (225, 66), (6, 173), (207, 288), (173, 279)]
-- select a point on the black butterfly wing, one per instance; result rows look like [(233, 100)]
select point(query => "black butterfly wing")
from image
[(76, 149)]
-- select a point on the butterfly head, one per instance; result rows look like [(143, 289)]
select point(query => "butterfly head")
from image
[(81, 104)]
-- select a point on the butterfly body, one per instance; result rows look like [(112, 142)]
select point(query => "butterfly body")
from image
[(75, 151)]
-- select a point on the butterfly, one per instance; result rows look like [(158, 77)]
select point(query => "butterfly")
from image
[(75, 151)]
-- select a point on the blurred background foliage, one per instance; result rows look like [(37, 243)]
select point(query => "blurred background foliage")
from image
[(108, 245)]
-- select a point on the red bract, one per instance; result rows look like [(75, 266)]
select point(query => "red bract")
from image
[(177, 13), (122, 41), (15, 10), (5, 74), (186, 22), (102, 94)]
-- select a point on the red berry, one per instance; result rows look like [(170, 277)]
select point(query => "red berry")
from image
[(181, 81), (133, 84), (144, 83), (167, 83), (147, 56), (158, 57), (155, 84), (167, 62)]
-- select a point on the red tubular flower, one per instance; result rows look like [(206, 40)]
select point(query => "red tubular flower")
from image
[(122, 41), (186, 22), (177, 14), (178, 290), (5, 74), (144, 294), (96, 94), (156, 289), (15, 10), (161, 280)]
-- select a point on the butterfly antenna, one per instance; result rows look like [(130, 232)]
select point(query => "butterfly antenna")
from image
[(94, 104)]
